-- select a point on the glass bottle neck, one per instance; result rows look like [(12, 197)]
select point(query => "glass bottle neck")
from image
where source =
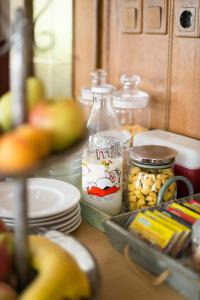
[(102, 116), (98, 77)]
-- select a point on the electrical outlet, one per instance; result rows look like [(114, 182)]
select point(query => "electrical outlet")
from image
[(187, 18)]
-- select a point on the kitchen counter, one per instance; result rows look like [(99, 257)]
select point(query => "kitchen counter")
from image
[(118, 280)]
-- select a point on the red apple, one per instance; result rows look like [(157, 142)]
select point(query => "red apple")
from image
[(7, 292), (6, 255), (63, 118), (3, 226)]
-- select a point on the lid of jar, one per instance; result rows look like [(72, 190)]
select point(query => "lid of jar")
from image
[(86, 93), (138, 100), (102, 89), (152, 155), (130, 97)]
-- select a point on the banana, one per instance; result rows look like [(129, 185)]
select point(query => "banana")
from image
[(58, 277)]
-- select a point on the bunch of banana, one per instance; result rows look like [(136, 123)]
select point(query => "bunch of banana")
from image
[(58, 278)]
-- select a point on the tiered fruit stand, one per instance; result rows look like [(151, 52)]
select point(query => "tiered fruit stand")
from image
[(19, 42), (18, 54)]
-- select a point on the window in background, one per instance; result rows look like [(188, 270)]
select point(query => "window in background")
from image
[(53, 52)]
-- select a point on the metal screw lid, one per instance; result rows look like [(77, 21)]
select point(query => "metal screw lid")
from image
[(152, 155)]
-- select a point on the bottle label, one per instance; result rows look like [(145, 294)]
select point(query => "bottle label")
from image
[(103, 178)]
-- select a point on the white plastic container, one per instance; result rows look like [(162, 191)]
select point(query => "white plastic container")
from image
[(187, 161)]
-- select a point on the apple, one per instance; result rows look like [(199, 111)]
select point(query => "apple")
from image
[(17, 154), (7, 292), (35, 92), (3, 226), (5, 112), (6, 255), (63, 118), (40, 138)]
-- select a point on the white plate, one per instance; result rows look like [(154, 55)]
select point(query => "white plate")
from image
[(67, 225), (70, 229), (55, 218), (57, 222), (47, 197)]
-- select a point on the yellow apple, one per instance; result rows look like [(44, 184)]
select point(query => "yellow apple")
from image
[(5, 111), (35, 92), (63, 117)]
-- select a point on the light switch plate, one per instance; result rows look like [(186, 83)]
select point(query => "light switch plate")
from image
[(131, 16), (155, 16), (187, 18)]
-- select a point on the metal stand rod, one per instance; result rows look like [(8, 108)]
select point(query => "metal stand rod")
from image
[(18, 55), (21, 243)]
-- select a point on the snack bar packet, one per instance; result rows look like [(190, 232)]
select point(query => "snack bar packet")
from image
[(183, 212), (178, 232), (153, 231), (184, 230), (176, 218), (193, 205)]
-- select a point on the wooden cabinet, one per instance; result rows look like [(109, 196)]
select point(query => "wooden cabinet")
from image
[(169, 65)]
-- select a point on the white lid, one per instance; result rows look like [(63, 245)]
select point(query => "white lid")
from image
[(130, 97), (86, 93), (104, 89), (188, 149), (138, 100)]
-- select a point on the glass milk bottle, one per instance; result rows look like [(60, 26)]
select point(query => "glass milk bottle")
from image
[(102, 163)]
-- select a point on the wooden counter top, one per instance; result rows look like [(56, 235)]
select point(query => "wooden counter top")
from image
[(118, 280)]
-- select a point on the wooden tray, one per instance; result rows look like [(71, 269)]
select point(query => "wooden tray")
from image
[(97, 218), (181, 274), (93, 216)]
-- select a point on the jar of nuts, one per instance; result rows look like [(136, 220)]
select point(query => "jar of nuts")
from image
[(150, 166)]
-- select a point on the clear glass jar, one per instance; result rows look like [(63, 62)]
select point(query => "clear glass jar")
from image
[(149, 168), (98, 78), (132, 105), (102, 161)]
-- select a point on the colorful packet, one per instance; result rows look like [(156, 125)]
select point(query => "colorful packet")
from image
[(154, 232), (178, 232), (185, 210), (176, 218), (176, 222), (185, 237), (181, 215), (193, 204)]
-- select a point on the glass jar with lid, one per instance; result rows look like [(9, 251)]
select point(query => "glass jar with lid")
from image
[(150, 166), (132, 105), (98, 78)]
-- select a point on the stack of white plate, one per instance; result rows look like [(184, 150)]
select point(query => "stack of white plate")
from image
[(68, 170), (52, 204)]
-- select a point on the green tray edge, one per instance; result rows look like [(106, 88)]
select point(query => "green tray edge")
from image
[(93, 216)]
